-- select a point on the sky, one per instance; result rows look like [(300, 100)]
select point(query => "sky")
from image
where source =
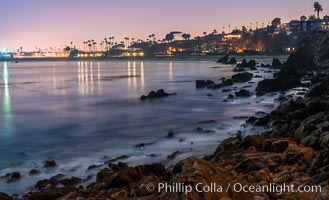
[(32, 24)]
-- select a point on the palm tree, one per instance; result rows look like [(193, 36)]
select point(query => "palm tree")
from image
[(318, 8)]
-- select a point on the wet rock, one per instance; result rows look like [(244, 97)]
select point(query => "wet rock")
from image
[(4, 196), (272, 85), (223, 59), (202, 130), (91, 167), (58, 176), (7, 175), (170, 134), (15, 176), (34, 172), (318, 90), (156, 94), (118, 167), (203, 83), (207, 121), (232, 61), (50, 164), (243, 93), (45, 183), (245, 64), (238, 69), (215, 86), (242, 77), (120, 157), (279, 146), (51, 193), (226, 90), (71, 181), (276, 63), (230, 96), (265, 65), (174, 155), (128, 177), (227, 82)]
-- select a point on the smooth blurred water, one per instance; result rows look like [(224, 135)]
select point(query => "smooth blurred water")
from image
[(82, 113)]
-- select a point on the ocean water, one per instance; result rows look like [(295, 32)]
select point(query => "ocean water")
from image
[(80, 113)]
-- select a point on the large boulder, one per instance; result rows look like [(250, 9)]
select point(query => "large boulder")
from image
[(242, 77)]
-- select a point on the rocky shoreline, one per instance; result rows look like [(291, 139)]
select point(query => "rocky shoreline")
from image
[(295, 151)]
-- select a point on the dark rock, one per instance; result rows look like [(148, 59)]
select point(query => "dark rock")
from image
[(237, 69), (243, 93), (170, 134), (253, 140), (174, 155), (226, 90), (118, 167), (272, 85), (207, 121), (15, 176), (232, 61), (203, 83), (34, 172), (245, 64), (227, 82), (242, 77), (119, 158), (130, 176), (215, 86), (4, 196), (58, 176), (46, 183), (276, 63), (202, 130), (91, 167), (223, 59), (73, 181), (156, 94), (318, 90), (230, 96), (279, 146), (49, 164), (263, 121), (7, 175), (265, 65)]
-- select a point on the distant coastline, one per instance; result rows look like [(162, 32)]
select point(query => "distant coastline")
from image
[(146, 58)]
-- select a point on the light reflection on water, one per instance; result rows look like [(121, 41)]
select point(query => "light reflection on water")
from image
[(7, 115), (85, 110)]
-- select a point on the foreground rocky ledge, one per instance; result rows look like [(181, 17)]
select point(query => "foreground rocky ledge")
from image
[(253, 160)]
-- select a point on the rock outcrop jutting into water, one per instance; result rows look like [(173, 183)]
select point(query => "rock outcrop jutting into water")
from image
[(295, 152)]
